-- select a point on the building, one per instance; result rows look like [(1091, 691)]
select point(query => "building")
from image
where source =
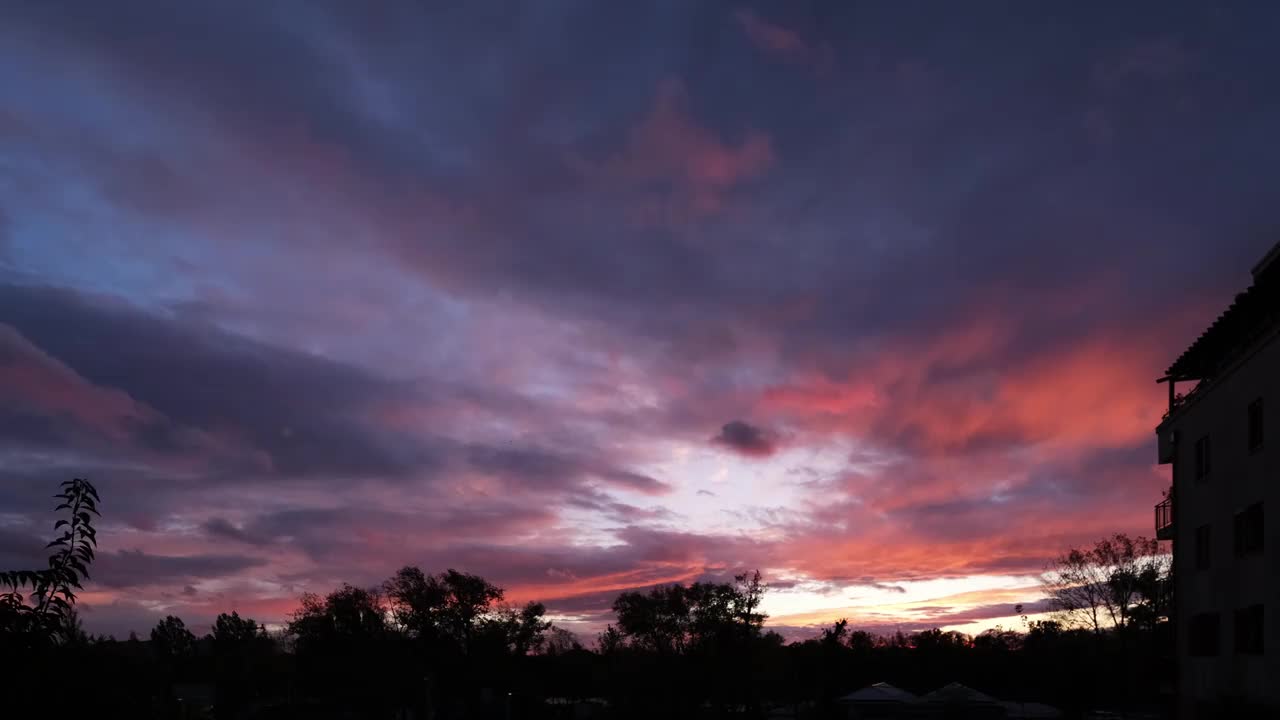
[(1222, 438), (954, 700), (881, 701)]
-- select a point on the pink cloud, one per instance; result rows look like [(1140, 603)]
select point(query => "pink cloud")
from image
[(944, 393), (669, 143), (782, 42), (768, 36), (669, 146)]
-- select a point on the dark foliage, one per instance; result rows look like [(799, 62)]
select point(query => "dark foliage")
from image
[(41, 617), (447, 646), (172, 641)]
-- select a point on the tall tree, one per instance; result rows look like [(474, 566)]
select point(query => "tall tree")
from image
[(171, 639), (836, 634), (611, 641), (241, 653), (560, 641), (657, 621), (345, 616), (448, 607), (1101, 586), (345, 650), (673, 619), (517, 631), (233, 630)]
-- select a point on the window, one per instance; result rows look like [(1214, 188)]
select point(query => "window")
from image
[(1248, 530), (1248, 622), (1204, 551), (1203, 636), (1203, 459), (1255, 425)]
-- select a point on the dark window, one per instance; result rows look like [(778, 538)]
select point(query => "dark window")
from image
[(1255, 425), (1249, 530), (1204, 552), (1248, 622), (1203, 635), (1203, 459)]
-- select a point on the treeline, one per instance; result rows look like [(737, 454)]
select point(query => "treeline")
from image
[(447, 645)]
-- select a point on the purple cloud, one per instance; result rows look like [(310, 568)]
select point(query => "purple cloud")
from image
[(304, 322)]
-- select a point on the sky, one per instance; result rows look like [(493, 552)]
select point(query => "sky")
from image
[(586, 297)]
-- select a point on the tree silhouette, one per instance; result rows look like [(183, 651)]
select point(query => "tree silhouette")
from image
[(517, 631), (345, 616), (172, 640), (345, 648), (233, 631), (41, 617), (447, 646), (241, 656), (1106, 584), (463, 637), (444, 608), (657, 621), (697, 640), (836, 634), (672, 619), (71, 630), (560, 641), (610, 641)]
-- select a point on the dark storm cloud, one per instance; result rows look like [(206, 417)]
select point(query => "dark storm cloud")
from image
[(134, 568), (303, 412), (523, 465), (20, 549), (746, 439), (330, 532), (176, 50), (206, 403), (222, 529), (22, 427), (562, 268), (663, 282), (119, 618), (134, 494)]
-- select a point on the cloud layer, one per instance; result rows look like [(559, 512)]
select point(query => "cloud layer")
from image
[(596, 296)]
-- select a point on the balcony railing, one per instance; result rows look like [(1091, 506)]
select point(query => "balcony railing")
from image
[(1164, 519)]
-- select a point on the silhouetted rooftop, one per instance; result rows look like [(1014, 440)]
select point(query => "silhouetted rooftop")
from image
[(880, 692), (1254, 312), (958, 694)]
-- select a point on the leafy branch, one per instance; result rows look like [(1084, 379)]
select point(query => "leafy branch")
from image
[(53, 589)]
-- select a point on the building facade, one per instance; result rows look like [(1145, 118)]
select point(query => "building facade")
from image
[(1222, 438)]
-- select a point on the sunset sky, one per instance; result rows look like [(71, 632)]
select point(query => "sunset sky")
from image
[(586, 297)]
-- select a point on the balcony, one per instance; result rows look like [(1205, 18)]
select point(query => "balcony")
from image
[(1164, 519)]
